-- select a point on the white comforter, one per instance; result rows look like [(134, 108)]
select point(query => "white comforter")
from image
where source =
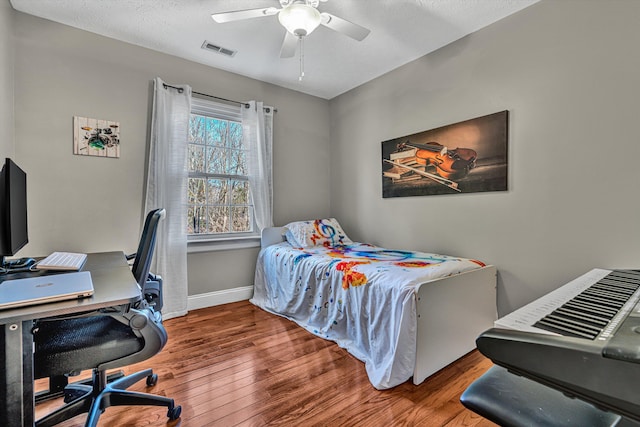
[(360, 296)]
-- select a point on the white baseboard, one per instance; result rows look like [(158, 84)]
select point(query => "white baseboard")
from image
[(210, 299)]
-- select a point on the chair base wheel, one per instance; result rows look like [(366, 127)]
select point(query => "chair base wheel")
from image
[(152, 380), (174, 413)]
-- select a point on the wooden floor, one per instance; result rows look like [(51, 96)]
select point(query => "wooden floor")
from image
[(235, 364)]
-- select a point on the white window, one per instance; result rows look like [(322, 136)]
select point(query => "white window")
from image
[(219, 197)]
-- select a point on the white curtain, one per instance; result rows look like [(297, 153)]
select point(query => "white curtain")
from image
[(167, 188), (257, 136)]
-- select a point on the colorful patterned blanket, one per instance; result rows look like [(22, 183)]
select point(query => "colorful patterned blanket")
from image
[(358, 295)]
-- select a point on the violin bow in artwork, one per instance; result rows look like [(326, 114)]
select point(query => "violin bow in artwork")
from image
[(440, 180)]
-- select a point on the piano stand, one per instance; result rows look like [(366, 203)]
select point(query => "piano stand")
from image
[(514, 401)]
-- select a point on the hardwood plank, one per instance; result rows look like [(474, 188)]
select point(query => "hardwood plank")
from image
[(236, 365)]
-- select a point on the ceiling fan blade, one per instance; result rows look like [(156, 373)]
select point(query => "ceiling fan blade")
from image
[(238, 15), (343, 26), (289, 45)]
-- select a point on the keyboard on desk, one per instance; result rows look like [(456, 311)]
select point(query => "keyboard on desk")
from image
[(68, 261)]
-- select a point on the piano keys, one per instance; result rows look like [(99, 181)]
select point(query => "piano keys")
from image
[(591, 305)]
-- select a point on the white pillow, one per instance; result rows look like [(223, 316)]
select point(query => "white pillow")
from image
[(317, 232)]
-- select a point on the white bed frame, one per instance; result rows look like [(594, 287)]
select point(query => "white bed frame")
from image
[(452, 312)]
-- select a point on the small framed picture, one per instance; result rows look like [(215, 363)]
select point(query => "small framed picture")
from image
[(95, 137)]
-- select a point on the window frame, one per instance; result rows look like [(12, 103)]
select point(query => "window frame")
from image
[(231, 240)]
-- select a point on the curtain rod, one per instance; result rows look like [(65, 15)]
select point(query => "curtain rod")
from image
[(246, 105)]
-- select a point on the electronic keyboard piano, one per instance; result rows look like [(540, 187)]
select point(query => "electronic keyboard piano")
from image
[(582, 339)]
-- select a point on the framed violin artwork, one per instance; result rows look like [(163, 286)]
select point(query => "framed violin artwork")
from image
[(465, 157)]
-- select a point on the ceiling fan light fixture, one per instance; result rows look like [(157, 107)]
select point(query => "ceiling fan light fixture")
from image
[(299, 19)]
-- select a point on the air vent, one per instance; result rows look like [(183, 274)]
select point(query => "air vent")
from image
[(215, 48)]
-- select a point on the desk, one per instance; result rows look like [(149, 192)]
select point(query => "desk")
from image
[(113, 284)]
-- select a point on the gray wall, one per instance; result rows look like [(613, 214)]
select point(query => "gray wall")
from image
[(567, 71), (6, 80), (79, 203)]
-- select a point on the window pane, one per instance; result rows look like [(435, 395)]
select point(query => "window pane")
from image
[(196, 158), (237, 162), (217, 160), (197, 129), (218, 220), (196, 220), (235, 135), (217, 191), (239, 192), (216, 132), (190, 220), (196, 191), (241, 220)]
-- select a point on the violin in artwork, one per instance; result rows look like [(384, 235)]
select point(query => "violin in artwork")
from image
[(449, 163)]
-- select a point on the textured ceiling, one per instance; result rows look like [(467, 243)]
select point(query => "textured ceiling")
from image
[(401, 31)]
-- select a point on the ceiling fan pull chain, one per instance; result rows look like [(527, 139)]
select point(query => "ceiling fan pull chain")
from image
[(301, 42)]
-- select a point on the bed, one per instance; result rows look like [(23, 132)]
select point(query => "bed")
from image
[(404, 314)]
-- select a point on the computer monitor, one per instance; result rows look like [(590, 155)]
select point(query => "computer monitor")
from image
[(13, 212)]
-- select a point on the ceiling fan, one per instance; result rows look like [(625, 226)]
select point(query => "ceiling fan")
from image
[(300, 18)]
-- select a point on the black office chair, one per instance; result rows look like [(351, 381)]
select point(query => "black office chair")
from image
[(104, 340)]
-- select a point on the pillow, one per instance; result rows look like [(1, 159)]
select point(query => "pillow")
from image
[(318, 232)]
